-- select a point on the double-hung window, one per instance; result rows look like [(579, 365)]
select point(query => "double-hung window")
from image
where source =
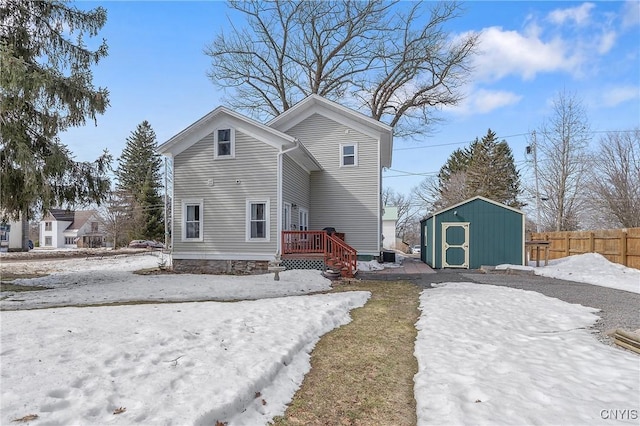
[(192, 220), (257, 220), (224, 143), (348, 155), (47, 226)]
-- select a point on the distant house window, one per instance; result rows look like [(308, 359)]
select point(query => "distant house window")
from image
[(68, 240), (47, 226), (94, 227), (257, 220), (48, 241), (192, 220), (349, 155), (224, 143)]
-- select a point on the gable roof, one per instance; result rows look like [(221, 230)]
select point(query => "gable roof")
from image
[(77, 217), (317, 104), (390, 213), (62, 214), (478, 197), (224, 116), (205, 125)]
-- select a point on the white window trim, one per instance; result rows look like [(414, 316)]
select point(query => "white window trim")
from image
[(355, 154), (267, 212), (303, 211), (192, 202), (215, 143)]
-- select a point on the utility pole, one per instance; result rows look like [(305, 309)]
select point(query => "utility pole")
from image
[(535, 171)]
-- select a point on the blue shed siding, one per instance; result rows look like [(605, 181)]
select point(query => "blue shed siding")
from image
[(496, 234), (426, 242)]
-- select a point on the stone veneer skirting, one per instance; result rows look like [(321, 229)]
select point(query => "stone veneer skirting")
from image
[(220, 267)]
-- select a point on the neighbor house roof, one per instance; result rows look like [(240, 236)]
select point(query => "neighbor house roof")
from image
[(77, 217), (317, 104), (390, 213)]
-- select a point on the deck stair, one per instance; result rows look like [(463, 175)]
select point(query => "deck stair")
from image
[(320, 246)]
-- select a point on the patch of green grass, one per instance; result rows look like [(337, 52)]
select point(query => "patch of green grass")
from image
[(19, 288), (10, 276), (362, 373)]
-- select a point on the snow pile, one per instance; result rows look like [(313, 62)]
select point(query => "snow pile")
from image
[(593, 268), (589, 268), (94, 281), (372, 265), (496, 355), (187, 363)]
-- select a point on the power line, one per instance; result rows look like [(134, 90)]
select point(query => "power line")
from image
[(501, 137)]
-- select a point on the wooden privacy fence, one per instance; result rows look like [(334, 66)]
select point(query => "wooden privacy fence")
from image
[(617, 245)]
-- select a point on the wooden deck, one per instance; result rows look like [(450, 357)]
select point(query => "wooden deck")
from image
[(336, 254)]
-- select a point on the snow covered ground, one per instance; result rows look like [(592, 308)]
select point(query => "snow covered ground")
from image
[(590, 268), (487, 355)]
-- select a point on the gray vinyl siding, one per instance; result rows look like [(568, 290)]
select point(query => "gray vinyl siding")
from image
[(296, 188), (346, 198), (252, 174)]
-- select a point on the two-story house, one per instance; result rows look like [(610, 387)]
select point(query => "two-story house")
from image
[(244, 191), (72, 229)]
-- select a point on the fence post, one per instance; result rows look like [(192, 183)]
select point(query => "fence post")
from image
[(592, 242), (567, 243), (623, 248)]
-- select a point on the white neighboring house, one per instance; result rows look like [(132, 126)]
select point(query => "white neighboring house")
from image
[(244, 191), (389, 220), (72, 229), (11, 235)]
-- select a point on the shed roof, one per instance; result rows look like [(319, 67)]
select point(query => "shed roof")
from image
[(478, 197)]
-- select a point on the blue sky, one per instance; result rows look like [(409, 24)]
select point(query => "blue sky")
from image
[(530, 51)]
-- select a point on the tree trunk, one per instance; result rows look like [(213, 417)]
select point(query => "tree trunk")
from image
[(24, 218)]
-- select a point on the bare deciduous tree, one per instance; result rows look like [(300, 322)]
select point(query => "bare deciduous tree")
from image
[(408, 214), (120, 216), (393, 59), (616, 179), (563, 163)]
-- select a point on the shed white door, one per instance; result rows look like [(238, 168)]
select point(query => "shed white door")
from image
[(455, 244)]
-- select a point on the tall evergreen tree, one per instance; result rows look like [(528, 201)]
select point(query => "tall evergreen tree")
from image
[(492, 172), (45, 88), (139, 175), (486, 168)]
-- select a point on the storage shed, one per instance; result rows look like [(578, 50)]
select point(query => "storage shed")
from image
[(473, 233)]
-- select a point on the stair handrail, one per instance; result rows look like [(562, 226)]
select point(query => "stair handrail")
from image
[(337, 248)]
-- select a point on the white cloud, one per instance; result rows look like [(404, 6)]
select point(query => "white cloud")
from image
[(483, 101), (509, 52), (617, 95), (606, 42), (631, 14), (580, 15)]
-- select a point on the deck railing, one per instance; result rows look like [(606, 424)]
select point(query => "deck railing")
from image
[(337, 253)]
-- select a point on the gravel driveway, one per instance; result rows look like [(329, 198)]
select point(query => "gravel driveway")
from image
[(618, 308)]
